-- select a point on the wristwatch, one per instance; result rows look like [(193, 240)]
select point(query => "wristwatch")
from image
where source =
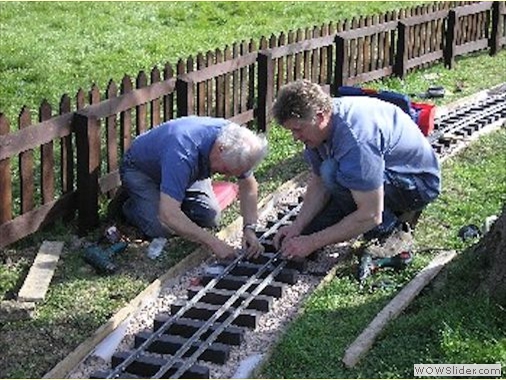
[(250, 226)]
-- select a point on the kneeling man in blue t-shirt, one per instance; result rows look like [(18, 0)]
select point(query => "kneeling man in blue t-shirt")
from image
[(166, 174), (370, 165)]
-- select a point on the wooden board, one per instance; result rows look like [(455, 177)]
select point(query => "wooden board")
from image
[(40, 274)]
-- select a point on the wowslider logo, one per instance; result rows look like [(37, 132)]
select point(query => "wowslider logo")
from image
[(454, 370)]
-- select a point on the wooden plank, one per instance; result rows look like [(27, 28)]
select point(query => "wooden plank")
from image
[(366, 339), (426, 18), (426, 58), (301, 46), (223, 68), (130, 98), (473, 8), (41, 272), (367, 31), (32, 136)]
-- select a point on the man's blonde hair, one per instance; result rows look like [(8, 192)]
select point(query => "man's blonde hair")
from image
[(301, 99)]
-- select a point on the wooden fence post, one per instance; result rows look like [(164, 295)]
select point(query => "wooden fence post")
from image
[(87, 129), (184, 93), (451, 35), (5, 177), (265, 89), (401, 57), (341, 70), (497, 27)]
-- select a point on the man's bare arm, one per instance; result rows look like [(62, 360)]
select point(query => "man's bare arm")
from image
[(171, 216), (315, 198), (367, 216)]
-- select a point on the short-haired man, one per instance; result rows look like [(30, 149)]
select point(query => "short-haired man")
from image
[(166, 174), (370, 164)]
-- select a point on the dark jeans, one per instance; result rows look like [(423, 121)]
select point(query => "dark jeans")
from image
[(403, 193), (142, 207)]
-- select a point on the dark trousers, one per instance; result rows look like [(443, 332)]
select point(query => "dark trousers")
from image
[(402, 192)]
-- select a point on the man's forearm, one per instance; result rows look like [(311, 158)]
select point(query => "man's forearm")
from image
[(248, 197), (351, 226), (314, 200), (186, 228)]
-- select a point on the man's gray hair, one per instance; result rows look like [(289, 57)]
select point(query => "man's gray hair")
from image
[(243, 148), (301, 99)]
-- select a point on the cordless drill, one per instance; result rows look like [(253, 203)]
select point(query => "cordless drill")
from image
[(101, 259), (368, 265)]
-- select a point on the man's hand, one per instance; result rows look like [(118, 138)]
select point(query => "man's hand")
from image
[(222, 250), (251, 244), (285, 233), (297, 247)]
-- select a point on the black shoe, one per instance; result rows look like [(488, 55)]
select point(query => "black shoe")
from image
[(115, 207)]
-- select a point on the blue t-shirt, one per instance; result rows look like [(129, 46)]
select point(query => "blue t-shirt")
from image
[(371, 138), (176, 153)]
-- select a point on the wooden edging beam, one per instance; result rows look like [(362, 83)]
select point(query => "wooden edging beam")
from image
[(365, 340), (63, 368)]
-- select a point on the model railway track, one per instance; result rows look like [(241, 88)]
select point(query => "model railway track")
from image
[(207, 325), (465, 121), (212, 320)]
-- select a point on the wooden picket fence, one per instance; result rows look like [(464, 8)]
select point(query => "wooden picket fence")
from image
[(67, 160)]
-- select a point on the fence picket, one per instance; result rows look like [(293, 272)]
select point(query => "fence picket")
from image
[(66, 152), (140, 110), (46, 159), (168, 100), (5, 177), (155, 77), (26, 174)]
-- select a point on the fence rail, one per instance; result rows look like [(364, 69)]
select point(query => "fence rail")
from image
[(65, 163)]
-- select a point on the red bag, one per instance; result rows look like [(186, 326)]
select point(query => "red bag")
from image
[(423, 114)]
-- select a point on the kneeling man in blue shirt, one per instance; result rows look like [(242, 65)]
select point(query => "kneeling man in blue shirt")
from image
[(370, 164), (166, 174)]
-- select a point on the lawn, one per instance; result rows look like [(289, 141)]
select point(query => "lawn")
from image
[(48, 49)]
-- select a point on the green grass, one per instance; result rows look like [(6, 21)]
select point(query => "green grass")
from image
[(51, 48), (450, 322), (48, 49)]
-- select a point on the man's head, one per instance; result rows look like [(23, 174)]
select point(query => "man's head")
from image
[(305, 109), (237, 150)]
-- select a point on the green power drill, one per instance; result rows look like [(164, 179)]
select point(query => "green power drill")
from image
[(368, 265), (101, 259)]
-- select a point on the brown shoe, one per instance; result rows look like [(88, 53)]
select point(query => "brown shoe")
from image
[(401, 240)]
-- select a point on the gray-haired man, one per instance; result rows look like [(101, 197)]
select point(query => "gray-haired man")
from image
[(166, 174)]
